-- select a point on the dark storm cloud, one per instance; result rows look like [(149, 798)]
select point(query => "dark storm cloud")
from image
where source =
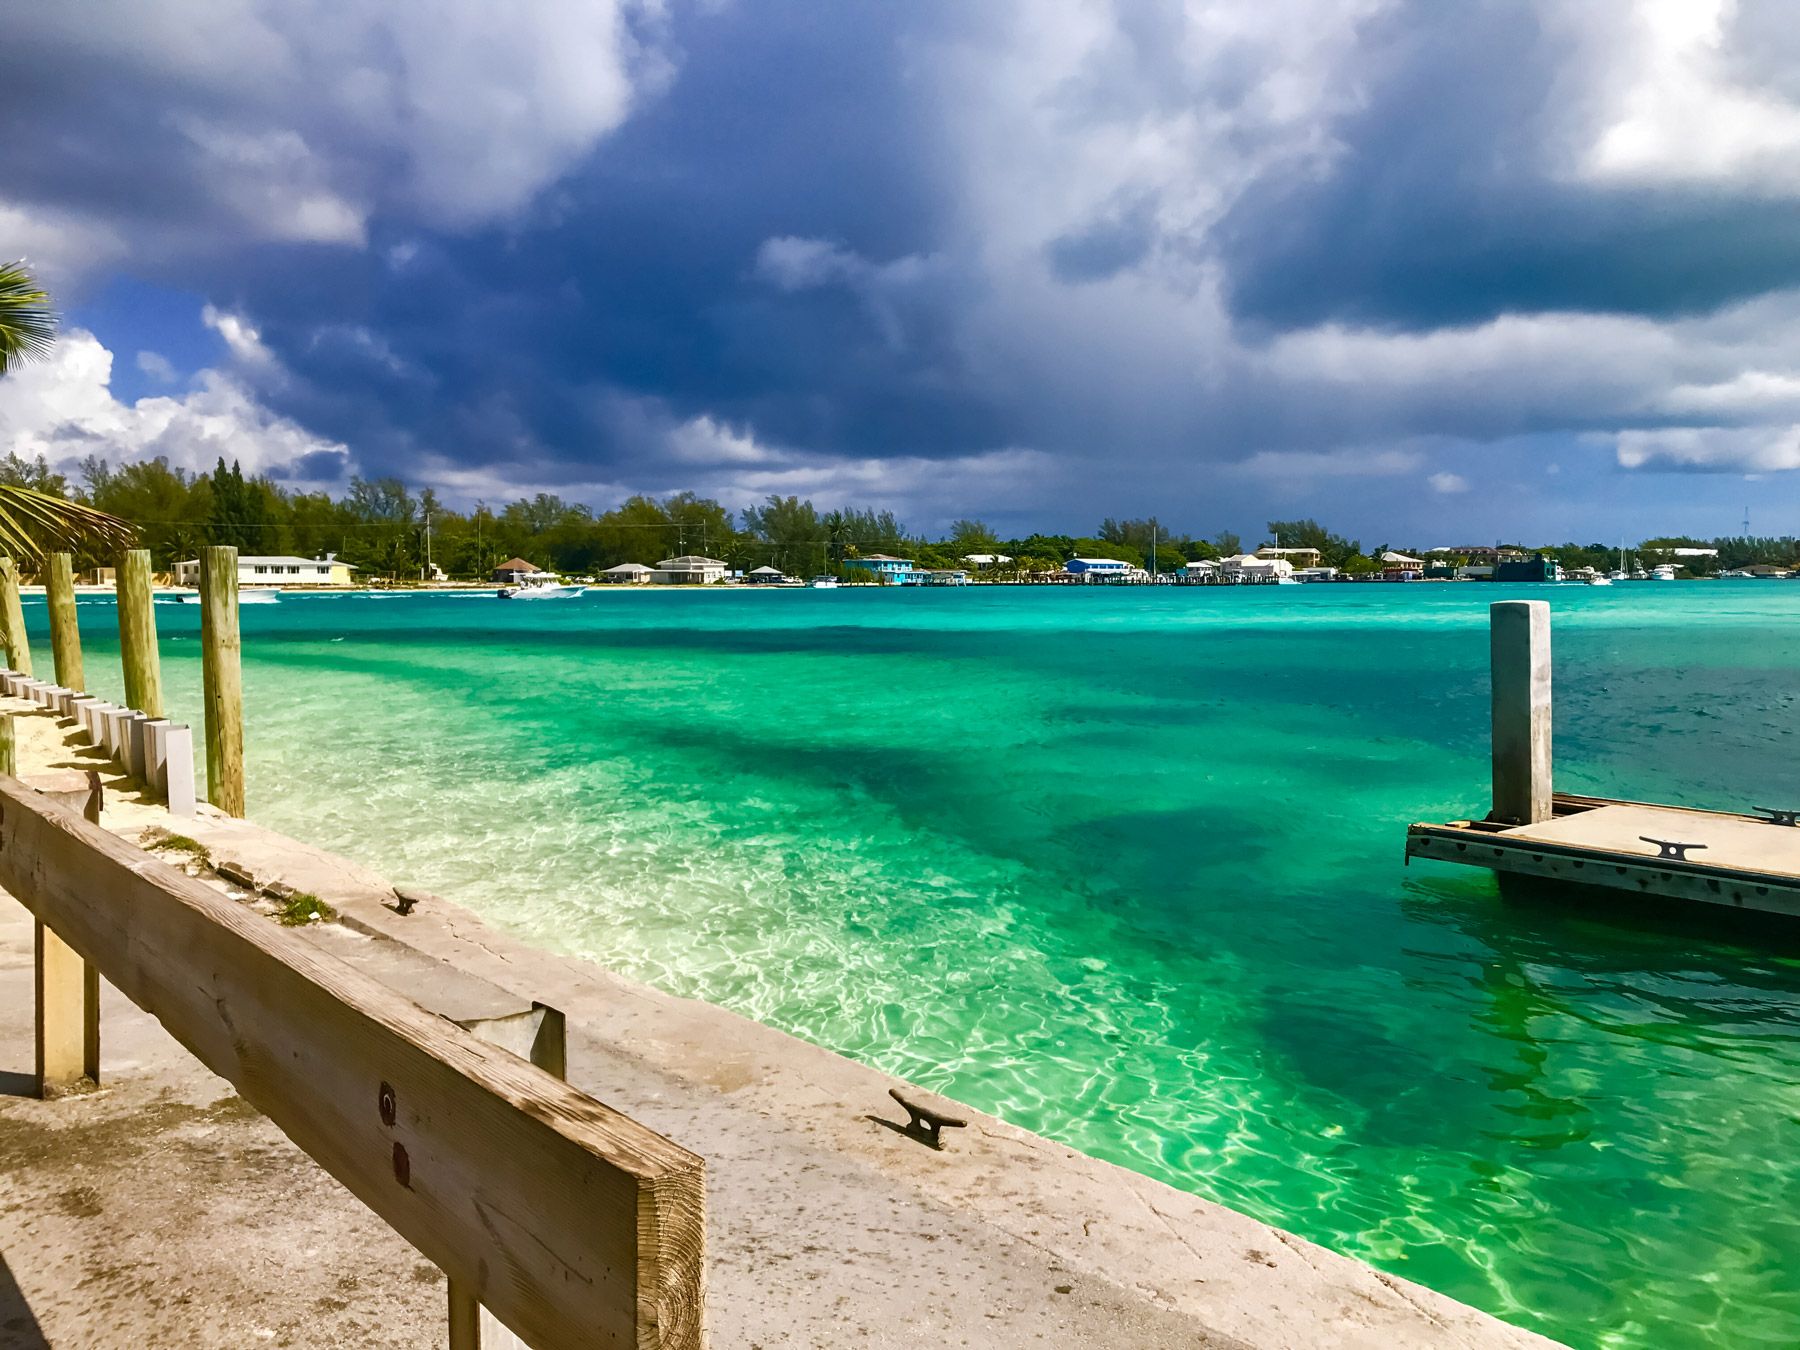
[(1447, 206), (1235, 252)]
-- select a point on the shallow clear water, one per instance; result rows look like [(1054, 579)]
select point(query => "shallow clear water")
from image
[(1125, 867)]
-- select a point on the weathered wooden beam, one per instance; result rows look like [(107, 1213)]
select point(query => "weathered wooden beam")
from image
[(223, 679), (12, 619), (9, 746), (138, 652), (574, 1224), (1519, 651), (538, 1034), (65, 629)]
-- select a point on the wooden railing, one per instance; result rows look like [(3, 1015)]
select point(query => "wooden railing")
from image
[(571, 1223)]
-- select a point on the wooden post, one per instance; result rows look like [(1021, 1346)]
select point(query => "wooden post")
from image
[(137, 632), (223, 678), (540, 1036), (9, 746), (1519, 651), (68, 1016), (65, 631), (12, 618), (67, 1030)]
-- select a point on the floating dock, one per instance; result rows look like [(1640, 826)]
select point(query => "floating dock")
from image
[(1742, 861)]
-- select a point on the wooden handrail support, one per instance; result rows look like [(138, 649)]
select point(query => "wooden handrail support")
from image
[(574, 1224)]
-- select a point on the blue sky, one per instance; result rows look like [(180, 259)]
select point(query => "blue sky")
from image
[(1430, 273)]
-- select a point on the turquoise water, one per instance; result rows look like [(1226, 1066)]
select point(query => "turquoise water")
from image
[(1125, 867)]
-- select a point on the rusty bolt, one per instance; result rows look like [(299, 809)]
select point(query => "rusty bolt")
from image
[(385, 1103)]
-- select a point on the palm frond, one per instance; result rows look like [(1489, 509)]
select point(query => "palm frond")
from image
[(34, 523), (27, 322)]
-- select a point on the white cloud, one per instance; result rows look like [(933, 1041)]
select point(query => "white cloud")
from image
[(156, 366), (706, 440), (64, 409), (241, 338), (1755, 449), (1448, 483), (1679, 105), (297, 122)]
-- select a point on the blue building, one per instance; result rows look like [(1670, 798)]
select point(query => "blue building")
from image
[(1097, 569), (892, 570)]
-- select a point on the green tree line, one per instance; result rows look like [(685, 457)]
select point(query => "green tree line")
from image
[(390, 530)]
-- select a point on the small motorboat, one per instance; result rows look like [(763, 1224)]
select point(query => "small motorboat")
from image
[(259, 597), (540, 590), (823, 583)]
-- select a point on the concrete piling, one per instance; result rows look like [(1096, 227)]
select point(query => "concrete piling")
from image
[(1519, 654), (131, 745), (178, 771)]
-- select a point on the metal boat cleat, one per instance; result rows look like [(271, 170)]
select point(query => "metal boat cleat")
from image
[(1670, 848), (926, 1122), (1778, 816)]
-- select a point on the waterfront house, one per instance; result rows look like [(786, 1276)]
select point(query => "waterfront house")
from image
[(690, 569), (1242, 568), (1201, 569), (1099, 569), (1299, 558), (985, 560), (276, 570), (1315, 574), (943, 576), (885, 567), (514, 570), (1400, 567), (766, 576), (628, 574)]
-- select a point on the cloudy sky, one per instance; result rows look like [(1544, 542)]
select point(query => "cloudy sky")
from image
[(1430, 272)]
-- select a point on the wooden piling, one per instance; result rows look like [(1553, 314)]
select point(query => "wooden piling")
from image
[(1519, 653), (137, 632), (12, 619), (222, 675), (9, 745), (65, 630)]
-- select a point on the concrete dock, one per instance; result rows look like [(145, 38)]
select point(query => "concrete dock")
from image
[(162, 1210)]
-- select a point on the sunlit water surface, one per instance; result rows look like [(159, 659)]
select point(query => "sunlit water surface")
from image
[(1126, 868)]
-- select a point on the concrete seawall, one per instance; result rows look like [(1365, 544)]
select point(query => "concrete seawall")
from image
[(828, 1226)]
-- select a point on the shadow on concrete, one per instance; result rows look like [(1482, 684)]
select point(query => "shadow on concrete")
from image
[(14, 1084), (19, 1329)]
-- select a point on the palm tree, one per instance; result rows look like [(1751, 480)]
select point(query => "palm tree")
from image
[(34, 523)]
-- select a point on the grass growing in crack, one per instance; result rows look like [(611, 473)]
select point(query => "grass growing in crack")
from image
[(180, 843), (304, 907)]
